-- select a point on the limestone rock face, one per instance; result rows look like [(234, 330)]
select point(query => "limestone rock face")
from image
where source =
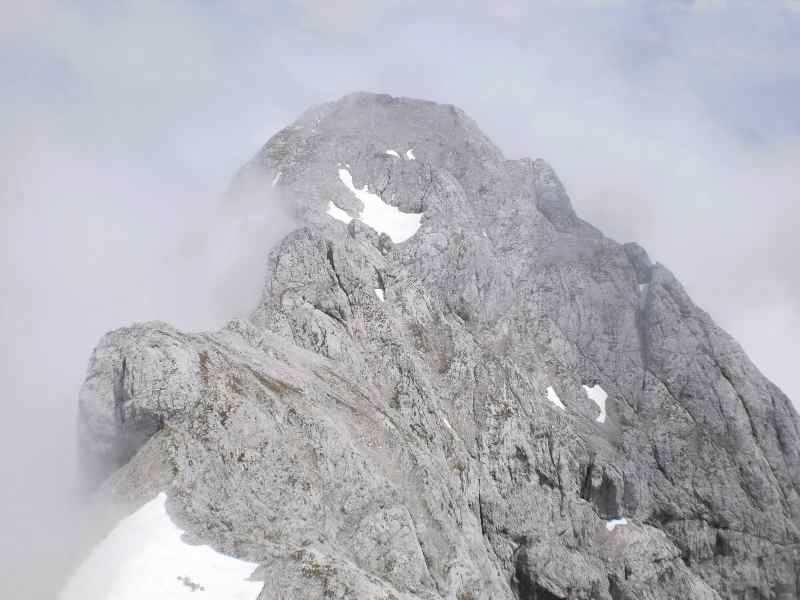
[(384, 425)]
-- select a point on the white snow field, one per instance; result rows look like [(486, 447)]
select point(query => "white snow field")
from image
[(553, 397), (598, 396), (144, 558), (382, 217)]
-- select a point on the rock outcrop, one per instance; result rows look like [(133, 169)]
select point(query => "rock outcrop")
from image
[(506, 405)]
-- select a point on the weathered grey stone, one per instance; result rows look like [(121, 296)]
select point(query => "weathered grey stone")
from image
[(380, 427)]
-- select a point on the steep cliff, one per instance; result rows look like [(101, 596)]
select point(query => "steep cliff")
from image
[(453, 387)]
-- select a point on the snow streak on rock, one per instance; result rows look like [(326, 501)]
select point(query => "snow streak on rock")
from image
[(553, 397), (338, 214), (611, 524), (598, 395), (382, 217)]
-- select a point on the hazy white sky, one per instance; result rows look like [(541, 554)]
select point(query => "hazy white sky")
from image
[(672, 123)]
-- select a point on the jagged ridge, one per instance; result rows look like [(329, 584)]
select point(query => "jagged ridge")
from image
[(404, 446)]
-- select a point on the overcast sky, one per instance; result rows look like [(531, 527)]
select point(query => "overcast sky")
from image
[(672, 123)]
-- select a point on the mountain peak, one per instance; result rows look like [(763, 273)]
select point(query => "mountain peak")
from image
[(452, 387)]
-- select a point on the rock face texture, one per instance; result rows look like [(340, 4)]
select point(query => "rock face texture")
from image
[(385, 424)]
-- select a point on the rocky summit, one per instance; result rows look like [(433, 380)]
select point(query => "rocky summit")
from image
[(452, 387)]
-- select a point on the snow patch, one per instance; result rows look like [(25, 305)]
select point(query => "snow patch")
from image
[(144, 558), (379, 294), (277, 178), (553, 397), (393, 153), (337, 213), (447, 423), (410, 154), (643, 288), (598, 396), (612, 523), (382, 217)]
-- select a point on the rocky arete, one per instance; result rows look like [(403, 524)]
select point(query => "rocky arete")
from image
[(452, 388)]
